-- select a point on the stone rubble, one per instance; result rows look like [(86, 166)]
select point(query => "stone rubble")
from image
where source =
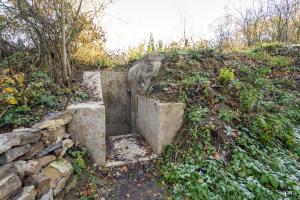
[(32, 164), (28, 193), (9, 186), (7, 141)]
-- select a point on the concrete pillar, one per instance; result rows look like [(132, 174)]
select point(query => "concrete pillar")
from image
[(159, 122), (92, 81), (87, 128)]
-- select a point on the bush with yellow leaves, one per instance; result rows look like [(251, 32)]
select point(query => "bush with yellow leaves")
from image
[(9, 85), (24, 100)]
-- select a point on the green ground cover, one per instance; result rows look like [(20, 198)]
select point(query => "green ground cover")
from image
[(240, 138)]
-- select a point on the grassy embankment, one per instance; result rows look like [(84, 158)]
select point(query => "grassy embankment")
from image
[(239, 139)]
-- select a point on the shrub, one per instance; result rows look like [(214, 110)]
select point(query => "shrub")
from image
[(26, 99), (79, 162), (247, 98), (258, 56), (280, 61), (268, 47), (273, 126), (197, 115), (136, 53), (226, 115), (226, 75)]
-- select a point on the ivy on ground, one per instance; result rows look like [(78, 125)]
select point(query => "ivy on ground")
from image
[(241, 136)]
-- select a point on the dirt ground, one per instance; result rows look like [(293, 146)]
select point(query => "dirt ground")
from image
[(135, 182)]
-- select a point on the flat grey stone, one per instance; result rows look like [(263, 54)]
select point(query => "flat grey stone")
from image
[(28, 137), (14, 153), (7, 169), (7, 141), (28, 168), (28, 193), (48, 195), (31, 130), (55, 121), (9, 186)]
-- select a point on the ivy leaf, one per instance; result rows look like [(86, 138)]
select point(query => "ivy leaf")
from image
[(264, 179), (274, 182)]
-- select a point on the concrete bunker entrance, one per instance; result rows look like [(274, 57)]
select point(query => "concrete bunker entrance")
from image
[(137, 128), (116, 99), (131, 127)]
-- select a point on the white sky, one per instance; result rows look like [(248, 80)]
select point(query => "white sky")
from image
[(129, 22)]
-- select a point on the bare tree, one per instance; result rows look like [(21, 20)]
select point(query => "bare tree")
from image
[(51, 27), (269, 20), (225, 31)]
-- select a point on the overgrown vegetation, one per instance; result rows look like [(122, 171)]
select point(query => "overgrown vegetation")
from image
[(241, 134), (240, 139), (27, 96)]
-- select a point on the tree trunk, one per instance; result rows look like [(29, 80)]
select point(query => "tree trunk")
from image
[(63, 45)]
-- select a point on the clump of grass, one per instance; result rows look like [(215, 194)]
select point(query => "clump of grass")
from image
[(226, 75)]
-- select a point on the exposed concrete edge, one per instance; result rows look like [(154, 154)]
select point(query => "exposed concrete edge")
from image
[(164, 118), (87, 128), (92, 81), (121, 163), (84, 105)]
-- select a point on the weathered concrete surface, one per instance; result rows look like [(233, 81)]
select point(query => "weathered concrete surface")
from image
[(9, 186), (88, 128), (92, 81), (116, 101), (128, 149), (139, 80), (159, 122)]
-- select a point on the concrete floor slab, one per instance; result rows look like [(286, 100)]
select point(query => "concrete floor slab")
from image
[(127, 149)]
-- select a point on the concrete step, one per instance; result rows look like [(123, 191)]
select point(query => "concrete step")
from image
[(127, 149)]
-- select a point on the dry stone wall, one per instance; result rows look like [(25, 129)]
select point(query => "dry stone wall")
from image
[(32, 163)]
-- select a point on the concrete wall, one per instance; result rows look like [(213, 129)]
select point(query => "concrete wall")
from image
[(117, 102), (92, 81), (158, 122), (87, 128), (140, 76)]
